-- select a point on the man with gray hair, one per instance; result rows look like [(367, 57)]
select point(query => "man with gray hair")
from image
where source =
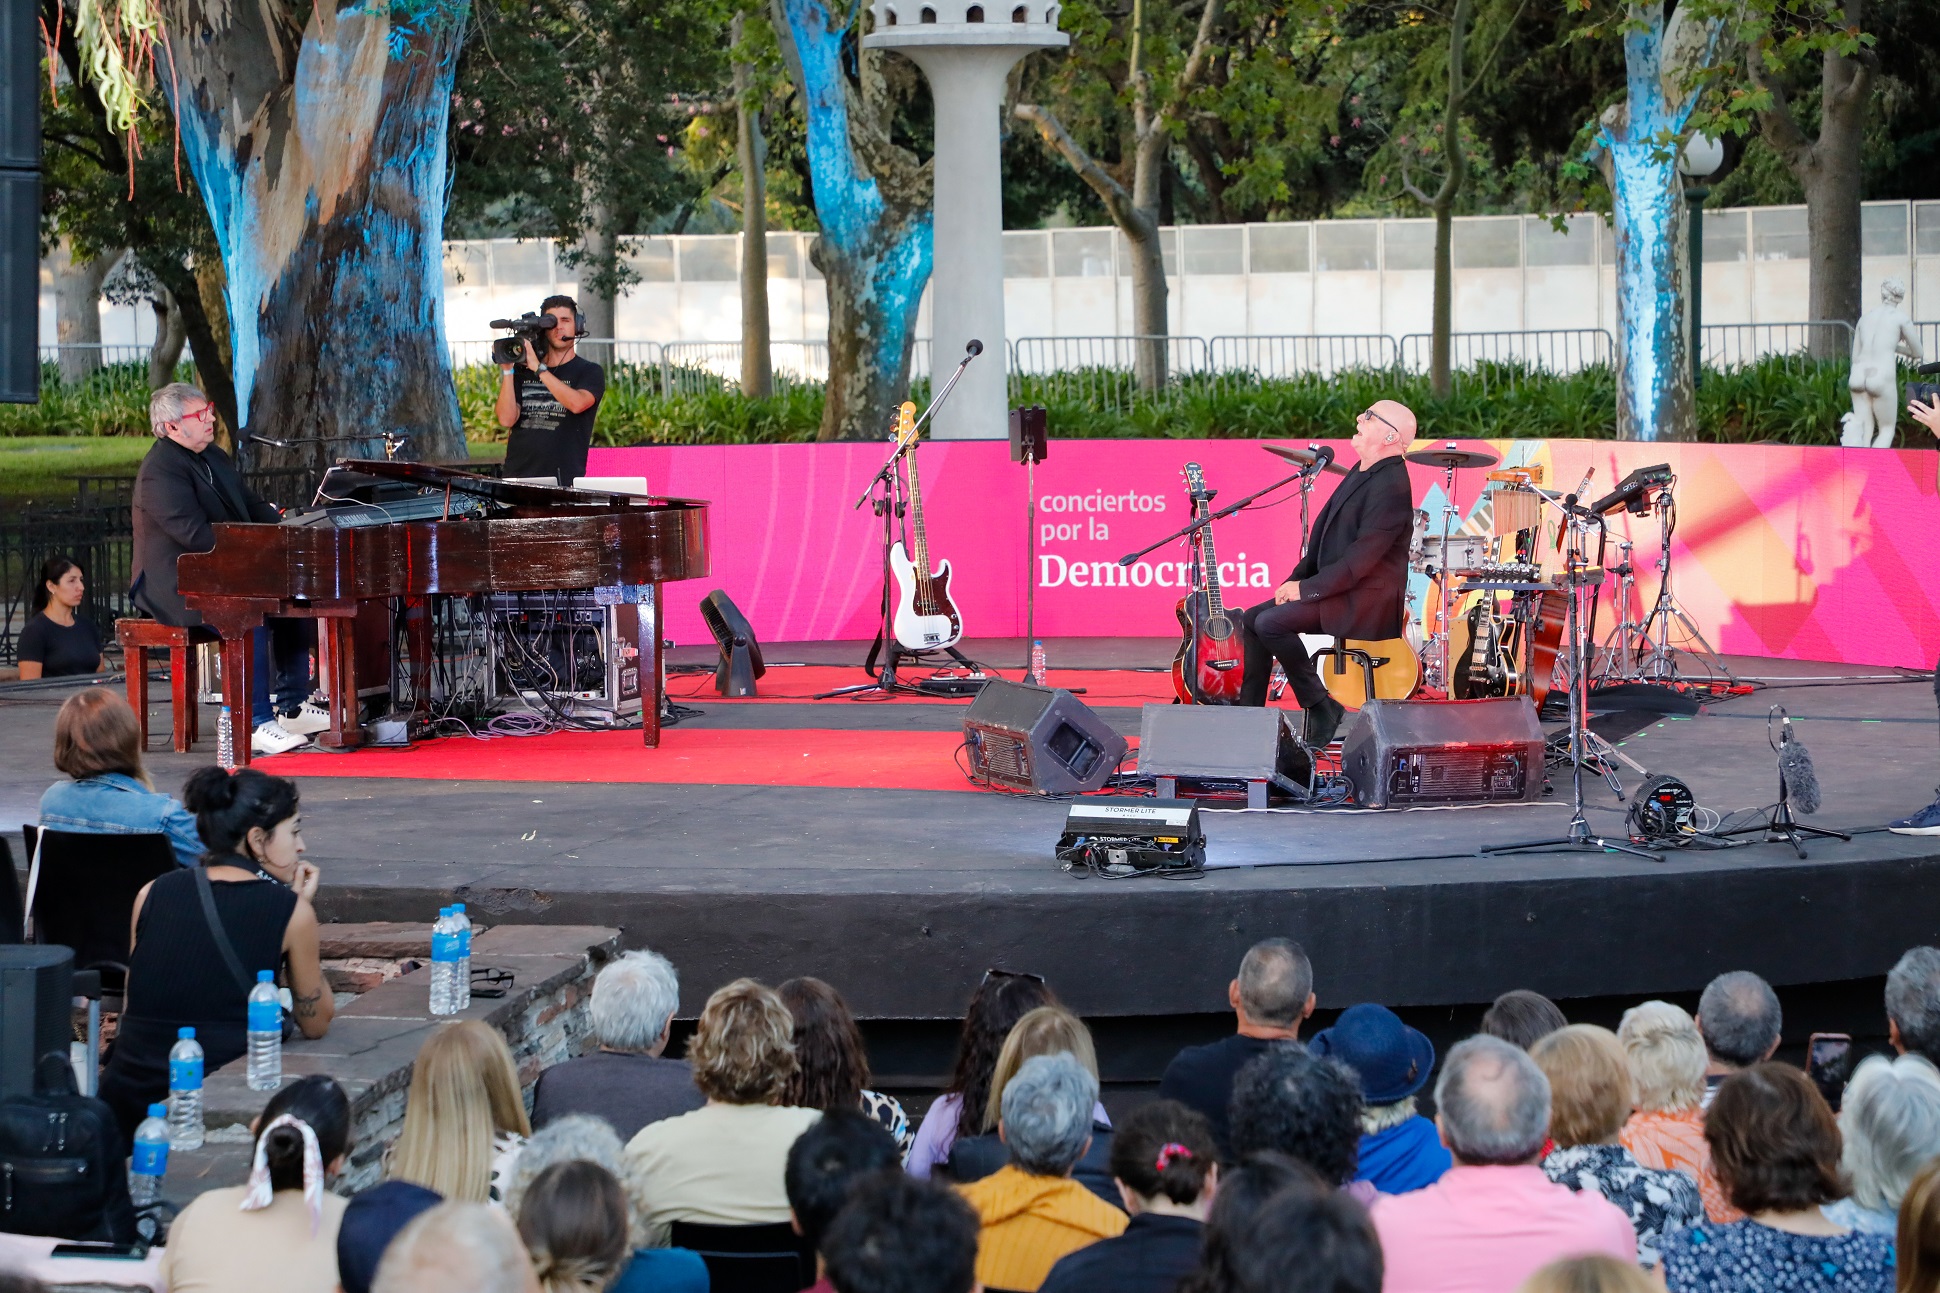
[(457, 1248), (1913, 1003), (1272, 994), (186, 487), (1740, 1020), (1493, 1219), (1031, 1211), (626, 1081)]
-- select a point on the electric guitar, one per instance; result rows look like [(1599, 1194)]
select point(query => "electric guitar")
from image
[(925, 618), (1207, 670)]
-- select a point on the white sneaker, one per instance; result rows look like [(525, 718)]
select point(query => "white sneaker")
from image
[(310, 718), (273, 738)]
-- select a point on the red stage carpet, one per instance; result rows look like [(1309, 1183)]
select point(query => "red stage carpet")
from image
[(687, 756)]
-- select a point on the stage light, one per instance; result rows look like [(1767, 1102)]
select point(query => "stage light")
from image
[(740, 654)]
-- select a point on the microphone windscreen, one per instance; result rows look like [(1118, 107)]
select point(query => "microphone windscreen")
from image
[(975, 347), (1801, 782)]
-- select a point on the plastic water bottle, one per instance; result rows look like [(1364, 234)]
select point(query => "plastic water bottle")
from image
[(150, 1161), (265, 1034), (185, 1092), (1037, 661), (444, 964), (462, 981), (225, 748)]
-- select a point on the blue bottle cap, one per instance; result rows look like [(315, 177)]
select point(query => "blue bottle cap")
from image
[(458, 907), (185, 1034), (265, 976), (158, 1111)]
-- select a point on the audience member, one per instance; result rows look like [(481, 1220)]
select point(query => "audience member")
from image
[(1307, 1240), (1889, 1122), (573, 1221), (464, 1119), (1522, 1018), (1048, 1030), (1291, 1101), (1916, 1254), (1003, 998), (1590, 1097), (456, 1247), (1272, 995), (1913, 1003), (1667, 1058), (97, 743), (824, 1164), (1493, 1218), (831, 1063), (1593, 1274), (627, 1081), (372, 1219), (178, 969), (1032, 1212), (1400, 1150), (58, 641), (1166, 1169), (902, 1236), (280, 1230), (1739, 1018), (723, 1164), (1776, 1149), (1243, 1192)]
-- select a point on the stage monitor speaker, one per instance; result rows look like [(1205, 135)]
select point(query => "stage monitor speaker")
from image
[(36, 1011), (20, 82), (1400, 753), (1222, 752), (19, 279), (1027, 434), (741, 660), (1041, 739)]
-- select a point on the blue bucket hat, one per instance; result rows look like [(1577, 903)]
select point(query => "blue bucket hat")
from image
[(1393, 1060)]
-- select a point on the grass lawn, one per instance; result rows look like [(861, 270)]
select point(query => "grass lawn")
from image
[(40, 470)]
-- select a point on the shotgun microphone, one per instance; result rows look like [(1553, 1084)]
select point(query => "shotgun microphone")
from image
[(1795, 768)]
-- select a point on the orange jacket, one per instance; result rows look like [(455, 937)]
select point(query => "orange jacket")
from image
[(1031, 1221)]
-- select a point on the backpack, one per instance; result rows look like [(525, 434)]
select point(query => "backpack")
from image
[(63, 1169)]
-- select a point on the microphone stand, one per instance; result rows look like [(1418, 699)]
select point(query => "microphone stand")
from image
[(1779, 824), (1305, 474)]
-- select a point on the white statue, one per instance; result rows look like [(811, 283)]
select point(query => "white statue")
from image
[(1884, 332)]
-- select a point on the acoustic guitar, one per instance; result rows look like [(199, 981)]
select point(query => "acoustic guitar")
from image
[(925, 618), (1207, 669)]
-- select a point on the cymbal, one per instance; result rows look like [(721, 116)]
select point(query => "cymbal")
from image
[(1448, 456), (1304, 457)]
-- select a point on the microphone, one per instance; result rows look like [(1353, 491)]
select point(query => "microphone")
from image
[(1795, 769), (1929, 370), (974, 348), (274, 444), (1323, 454)]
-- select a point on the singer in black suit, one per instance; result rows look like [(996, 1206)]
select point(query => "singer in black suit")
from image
[(1352, 582)]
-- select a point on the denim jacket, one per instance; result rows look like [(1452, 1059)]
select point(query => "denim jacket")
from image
[(114, 804)]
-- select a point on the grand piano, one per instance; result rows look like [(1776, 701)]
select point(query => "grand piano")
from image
[(429, 530)]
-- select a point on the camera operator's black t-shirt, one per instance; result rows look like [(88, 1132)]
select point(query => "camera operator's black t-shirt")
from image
[(547, 440)]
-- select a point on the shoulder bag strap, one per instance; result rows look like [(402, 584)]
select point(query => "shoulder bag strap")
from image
[(33, 883), (207, 893)]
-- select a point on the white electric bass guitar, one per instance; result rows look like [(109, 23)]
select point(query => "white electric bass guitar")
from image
[(925, 618)]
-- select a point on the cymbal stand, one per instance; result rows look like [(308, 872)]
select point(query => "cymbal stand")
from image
[(1659, 664), (1579, 583), (1617, 662), (1435, 649)]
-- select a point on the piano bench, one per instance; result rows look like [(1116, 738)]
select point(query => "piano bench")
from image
[(138, 638)]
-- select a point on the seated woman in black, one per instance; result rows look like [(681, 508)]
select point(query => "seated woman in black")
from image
[(57, 642), (178, 975)]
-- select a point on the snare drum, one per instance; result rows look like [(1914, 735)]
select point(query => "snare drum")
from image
[(1463, 550), (1514, 508)]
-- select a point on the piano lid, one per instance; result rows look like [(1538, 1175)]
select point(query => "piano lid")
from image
[(510, 493)]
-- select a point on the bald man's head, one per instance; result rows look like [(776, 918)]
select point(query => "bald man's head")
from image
[(1384, 430)]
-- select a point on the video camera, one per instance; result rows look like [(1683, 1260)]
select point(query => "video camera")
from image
[(1925, 392), (535, 328)]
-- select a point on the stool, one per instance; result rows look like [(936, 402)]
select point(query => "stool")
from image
[(1385, 670), (138, 638)]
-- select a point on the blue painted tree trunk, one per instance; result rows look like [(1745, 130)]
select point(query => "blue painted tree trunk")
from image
[(873, 204), (1640, 141), (317, 137)]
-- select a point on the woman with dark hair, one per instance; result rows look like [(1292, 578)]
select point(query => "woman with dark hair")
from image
[(280, 1230), (1003, 998), (1166, 1166), (1522, 1018), (97, 743), (57, 642), (180, 971), (573, 1220), (1775, 1148), (1243, 1193), (831, 1063)]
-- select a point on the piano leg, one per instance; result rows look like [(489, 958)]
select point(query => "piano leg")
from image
[(238, 663), (651, 684), (337, 647)]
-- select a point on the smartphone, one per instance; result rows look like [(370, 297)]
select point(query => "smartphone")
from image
[(132, 1252), (1828, 1062)]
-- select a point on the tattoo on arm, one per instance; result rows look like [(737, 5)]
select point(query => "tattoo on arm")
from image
[(305, 1007)]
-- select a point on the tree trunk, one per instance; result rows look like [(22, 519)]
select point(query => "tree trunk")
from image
[(171, 335), (1831, 183), (1441, 370), (77, 309), (598, 273), (317, 138), (757, 371)]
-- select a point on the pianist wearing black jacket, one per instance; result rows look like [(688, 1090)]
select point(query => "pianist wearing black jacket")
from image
[(186, 486)]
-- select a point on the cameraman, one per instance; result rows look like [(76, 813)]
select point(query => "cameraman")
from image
[(548, 404)]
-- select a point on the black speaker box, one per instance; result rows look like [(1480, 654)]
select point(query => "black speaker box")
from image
[(20, 82), (1222, 751), (36, 1011), (1041, 739), (1399, 753), (19, 281)]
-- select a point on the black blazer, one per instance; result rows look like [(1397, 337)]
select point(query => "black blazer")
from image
[(179, 498), (1356, 563)]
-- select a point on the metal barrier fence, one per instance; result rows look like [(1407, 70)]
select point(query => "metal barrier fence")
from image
[(1726, 346), (1244, 360), (1105, 371), (98, 536), (701, 367)]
